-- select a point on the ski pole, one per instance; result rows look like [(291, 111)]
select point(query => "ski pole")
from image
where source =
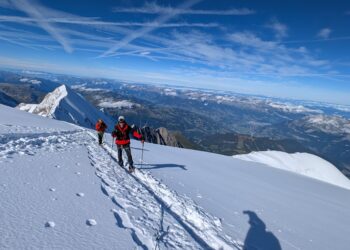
[(142, 154)]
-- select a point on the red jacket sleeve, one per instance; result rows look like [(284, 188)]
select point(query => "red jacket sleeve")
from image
[(137, 135), (97, 126)]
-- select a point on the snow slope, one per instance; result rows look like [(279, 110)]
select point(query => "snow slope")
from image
[(59, 189), (300, 163), (7, 100), (66, 105)]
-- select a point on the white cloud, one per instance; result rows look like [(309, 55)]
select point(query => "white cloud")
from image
[(242, 53), (249, 39), (141, 32), (96, 22), (34, 10), (5, 4), (118, 104), (280, 29), (154, 8), (198, 77), (324, 33)]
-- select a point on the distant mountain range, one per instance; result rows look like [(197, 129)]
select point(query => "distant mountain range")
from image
[(220, 122), (66, 105)]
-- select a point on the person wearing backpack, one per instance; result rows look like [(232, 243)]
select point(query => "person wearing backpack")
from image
[(100, 128), (121, 133)]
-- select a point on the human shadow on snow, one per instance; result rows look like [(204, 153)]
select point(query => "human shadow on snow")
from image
[(257, 236), (158, 166)]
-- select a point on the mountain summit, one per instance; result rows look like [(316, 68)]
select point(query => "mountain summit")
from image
[(66, 105)]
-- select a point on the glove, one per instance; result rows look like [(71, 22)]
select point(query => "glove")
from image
[(142, 141)]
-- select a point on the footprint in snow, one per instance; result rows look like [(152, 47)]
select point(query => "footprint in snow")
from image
[(57, 166), (77, 173), (91, 222), (52, 189), (50, 224), (80, 194)]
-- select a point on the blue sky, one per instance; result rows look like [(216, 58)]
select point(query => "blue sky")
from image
[(292, 49)]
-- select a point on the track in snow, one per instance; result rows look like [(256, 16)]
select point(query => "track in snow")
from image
[(155, 215), (26, 144)]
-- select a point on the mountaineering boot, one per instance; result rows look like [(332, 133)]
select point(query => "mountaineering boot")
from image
[(131, 169)]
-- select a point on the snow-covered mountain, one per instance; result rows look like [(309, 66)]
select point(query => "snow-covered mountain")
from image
[(300, 163), (66, 105), (59, 189), (328, 124)]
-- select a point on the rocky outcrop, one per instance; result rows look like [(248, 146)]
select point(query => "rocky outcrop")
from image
[(160, 136)]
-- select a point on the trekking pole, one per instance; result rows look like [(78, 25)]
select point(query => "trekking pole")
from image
[(142, 154)]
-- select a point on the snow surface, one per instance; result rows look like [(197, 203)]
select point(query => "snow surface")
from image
[(292, 108), (329, 124), (66, 105), (301, 163), (176, 199), (27, 107)]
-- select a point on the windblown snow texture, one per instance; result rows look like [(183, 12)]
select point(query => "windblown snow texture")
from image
[(60, 189)]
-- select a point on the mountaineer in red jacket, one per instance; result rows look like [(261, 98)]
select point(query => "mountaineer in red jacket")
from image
[(122, 139), (101, 128)]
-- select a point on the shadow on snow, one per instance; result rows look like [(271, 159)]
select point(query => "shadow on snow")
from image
[(257, 236), (158, 166)]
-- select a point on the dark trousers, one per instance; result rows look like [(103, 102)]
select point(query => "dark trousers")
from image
[(128, 154), (100, 137)]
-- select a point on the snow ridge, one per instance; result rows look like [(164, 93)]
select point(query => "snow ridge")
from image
[(66, 105), (328, 124), (189, 227), (301, 163)]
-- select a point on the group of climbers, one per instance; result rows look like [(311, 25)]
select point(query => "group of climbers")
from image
[(121, 133)]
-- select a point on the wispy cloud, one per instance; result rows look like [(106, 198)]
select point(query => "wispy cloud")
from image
[(141, 32), (154, 8), (197, 77), (249, 39), (280, 29), (324, 33), (6, 4), (96, 22), (32, 9), (221, 55), (317, 40)]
